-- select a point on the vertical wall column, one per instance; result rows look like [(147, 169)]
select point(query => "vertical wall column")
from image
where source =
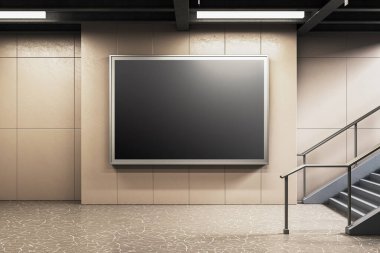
[(39, 116)]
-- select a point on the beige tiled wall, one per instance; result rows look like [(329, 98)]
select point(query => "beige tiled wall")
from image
[(338, 81), (39, 116), (102, 183)]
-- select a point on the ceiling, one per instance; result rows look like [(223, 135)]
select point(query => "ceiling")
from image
[(321, 15)]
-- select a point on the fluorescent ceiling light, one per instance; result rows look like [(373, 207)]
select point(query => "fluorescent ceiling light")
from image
[(22, 14), (250, 14)]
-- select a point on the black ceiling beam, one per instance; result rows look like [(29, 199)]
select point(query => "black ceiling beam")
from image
[(353, 16), (358, 10), (347, 27), (78, 17), (320, 15), (39, 27), (344, 22), (59, 4), (181, 8), (259, 4)]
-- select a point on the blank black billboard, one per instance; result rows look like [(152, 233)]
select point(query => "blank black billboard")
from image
[(189, 108)]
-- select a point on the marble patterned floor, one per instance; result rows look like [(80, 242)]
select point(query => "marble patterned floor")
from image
[(55, 226)]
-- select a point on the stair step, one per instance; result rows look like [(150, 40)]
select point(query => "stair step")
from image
[(362, 204), (370, 185), (366, 194), (338, 204), (375, 177)]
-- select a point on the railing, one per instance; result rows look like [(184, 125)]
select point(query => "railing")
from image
[(352, 124), (348, 165)]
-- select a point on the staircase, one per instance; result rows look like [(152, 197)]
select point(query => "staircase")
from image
[(363, 177), (365, 197)]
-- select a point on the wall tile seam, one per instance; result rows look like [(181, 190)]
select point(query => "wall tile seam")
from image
[(346, 132), (261, 169), (43, 57), (41, 128), (74, 114), (38, 57), (188, 180), (17, 123)]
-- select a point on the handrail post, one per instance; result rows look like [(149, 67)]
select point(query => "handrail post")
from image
[(304, 176), (286, 229), (349, 196), (356, 140)]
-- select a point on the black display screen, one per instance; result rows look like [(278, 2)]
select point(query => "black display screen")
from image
[(189, 109)]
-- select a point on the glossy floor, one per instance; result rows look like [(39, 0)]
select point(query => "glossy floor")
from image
[(70, 227)]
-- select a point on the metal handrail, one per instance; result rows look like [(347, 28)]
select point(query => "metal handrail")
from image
[(348, 165), (305, 166), (363, 155), (339, 132), (354, 123)]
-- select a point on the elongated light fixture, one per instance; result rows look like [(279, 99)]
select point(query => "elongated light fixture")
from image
[(250, 14), (22, 14)]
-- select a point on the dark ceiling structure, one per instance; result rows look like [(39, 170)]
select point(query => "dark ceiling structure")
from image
[(320, 15)]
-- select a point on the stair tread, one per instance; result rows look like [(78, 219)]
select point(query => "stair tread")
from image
[(358, 198), (366, 190), (375, 177), (346, 206), (370, 181)]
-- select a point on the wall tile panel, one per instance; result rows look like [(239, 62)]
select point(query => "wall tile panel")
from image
[(8, 163), (8, 91), (45, 164), (46, 92)]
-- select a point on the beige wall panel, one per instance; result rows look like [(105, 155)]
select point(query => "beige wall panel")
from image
[(45, 44), (322, 45), (363, 90), (8, 170), (135, 185), (45, 164), (332, 152), (77, 164), (99, 178), (8, 42), (367, 139), (242, 39), (171, 184), (280, 44), (135, 39), (363, 44), (207, 185), (321, 92), (77, 92), (207, 39), (46, 92), (77, 44), (243, 185), (8, 89), (168, 41)]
